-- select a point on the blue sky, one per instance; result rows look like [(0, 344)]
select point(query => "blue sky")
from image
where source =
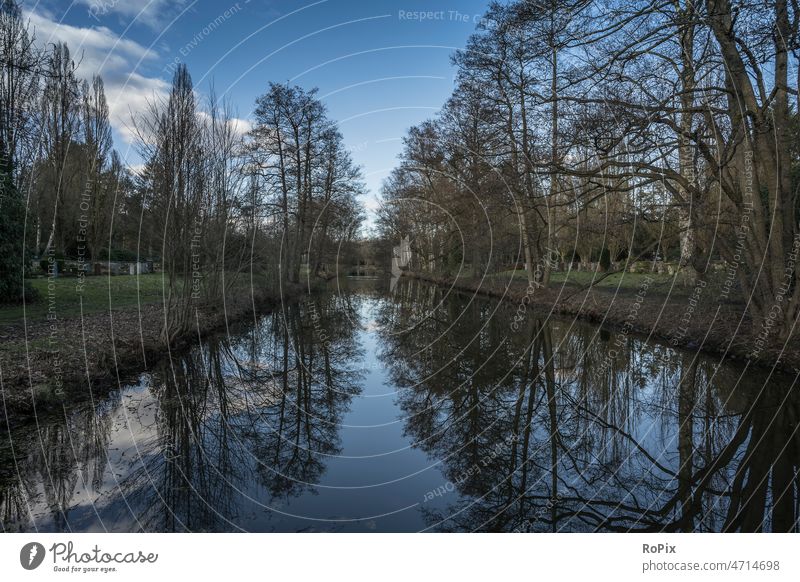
[(380, 66)]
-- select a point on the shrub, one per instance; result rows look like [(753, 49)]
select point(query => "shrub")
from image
[(122, 255), (12, 251), (605, 259), (45, 264)]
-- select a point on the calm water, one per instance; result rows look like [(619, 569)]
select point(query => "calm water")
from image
[(370, 410)]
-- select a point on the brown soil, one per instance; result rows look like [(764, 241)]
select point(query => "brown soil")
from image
[(46, 366)]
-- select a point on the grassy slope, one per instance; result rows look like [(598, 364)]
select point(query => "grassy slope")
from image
[(98, 294), (624, 282)]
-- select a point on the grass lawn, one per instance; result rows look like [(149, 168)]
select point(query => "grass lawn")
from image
[(99, 292), (624, 281)]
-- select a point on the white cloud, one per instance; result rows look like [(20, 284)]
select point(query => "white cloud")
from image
[(372, 204), (130, 97), (120, 61), (148, 12), (238, 125), (98, 50), (241, 126), (136, 169)]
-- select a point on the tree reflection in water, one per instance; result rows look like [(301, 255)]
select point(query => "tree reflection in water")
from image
[(232, 428), (597, 431), (542, 425)]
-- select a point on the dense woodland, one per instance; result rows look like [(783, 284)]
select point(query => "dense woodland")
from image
[(610, 132), (210, 201)]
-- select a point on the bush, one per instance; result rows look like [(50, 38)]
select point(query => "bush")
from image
[(123, 255), (45, 264), (605, 259), (12, 251), (32, 294)]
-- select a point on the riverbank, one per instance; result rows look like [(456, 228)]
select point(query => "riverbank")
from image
[(691, 315), (74, 354)]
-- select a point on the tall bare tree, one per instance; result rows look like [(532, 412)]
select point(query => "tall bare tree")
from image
[(19, 78), (60, 111)]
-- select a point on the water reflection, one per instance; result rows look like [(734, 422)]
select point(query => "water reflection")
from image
[(239, 425), (366, 410), (596, 431)]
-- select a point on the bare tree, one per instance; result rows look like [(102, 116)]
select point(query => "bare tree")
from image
[(171, 139), (97, 138), (303, 170), (60, 112), (19, 77)]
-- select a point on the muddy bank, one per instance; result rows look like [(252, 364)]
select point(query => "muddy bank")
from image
[(49, 364), (696, 319)]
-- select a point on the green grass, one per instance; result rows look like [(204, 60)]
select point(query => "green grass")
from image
[(628, 281), (98, 294), (623, 281), (102, 292)]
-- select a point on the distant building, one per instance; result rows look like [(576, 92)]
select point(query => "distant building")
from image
[(401, 256)]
